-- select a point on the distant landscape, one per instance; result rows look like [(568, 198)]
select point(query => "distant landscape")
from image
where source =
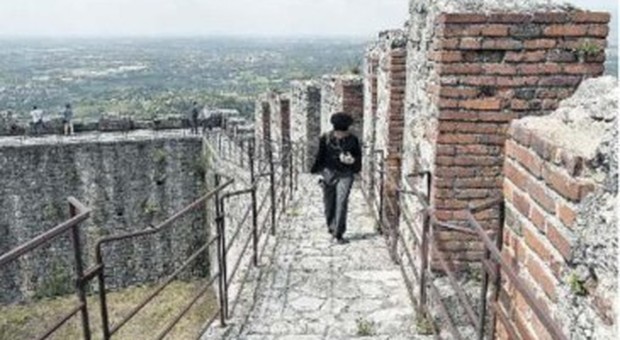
[(146, 78), (154, 77)]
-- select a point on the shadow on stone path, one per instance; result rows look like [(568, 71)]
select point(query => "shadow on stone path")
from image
[(310, 288)]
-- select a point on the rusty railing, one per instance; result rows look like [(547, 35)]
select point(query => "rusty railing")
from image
[(281, 184), (494, 268), (78, 214)]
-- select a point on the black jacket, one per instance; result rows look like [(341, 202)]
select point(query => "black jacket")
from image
[(329, 152)]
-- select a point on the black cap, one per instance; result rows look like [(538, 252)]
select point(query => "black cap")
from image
[(341, 121)]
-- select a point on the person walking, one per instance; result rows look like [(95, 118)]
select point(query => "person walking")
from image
[(338, 159), (195, 114), (37, 119), (67, 119)]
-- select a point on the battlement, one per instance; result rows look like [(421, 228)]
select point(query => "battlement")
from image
[(217, 118), (434, 108)]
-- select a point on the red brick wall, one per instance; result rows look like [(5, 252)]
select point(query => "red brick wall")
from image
[(396, 122), (266, 118), (373, 86), (495, 68), (353, 103), (542, 189)]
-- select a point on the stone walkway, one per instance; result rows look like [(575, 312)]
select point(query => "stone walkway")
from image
[(310, 288)]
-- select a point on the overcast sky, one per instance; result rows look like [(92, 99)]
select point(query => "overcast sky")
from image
[(211, 17)]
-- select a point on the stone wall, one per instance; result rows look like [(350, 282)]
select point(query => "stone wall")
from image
[(488, 68), (561, 215), (275, 122), (131, 181), (371, 69), (9, 126), (342, 93), (421, 112), (305, 120)]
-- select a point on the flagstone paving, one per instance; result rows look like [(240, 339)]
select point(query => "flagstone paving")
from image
[(309, 287)]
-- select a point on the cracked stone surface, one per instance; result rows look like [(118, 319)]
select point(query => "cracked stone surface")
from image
[(308, 287)]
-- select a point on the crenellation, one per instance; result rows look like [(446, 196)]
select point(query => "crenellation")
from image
[(470, 102), (305, 120), (342, 93)]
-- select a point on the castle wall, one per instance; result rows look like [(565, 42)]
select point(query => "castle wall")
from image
[(262, 126), (342, 93), (561, 215), (305, 121), (369, 165), (130, 180), (480, 71), (275, 123)]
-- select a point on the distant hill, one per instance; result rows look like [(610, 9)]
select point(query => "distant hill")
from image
[(149, 76)]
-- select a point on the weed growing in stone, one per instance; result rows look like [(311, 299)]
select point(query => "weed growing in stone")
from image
[(424, 325), (587, 48), (365, 327), (159, 156), (150, 208), (576, 285)]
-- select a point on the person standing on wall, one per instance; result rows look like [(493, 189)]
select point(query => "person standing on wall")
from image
[(67, 119), (195, 114), (338, 159), (37, 120)]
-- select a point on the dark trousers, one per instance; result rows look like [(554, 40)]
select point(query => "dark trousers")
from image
[(38, 127), (194, 125), (336, 200)]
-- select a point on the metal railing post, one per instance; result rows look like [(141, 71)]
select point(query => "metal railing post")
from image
[(272, 189), (497, 284), (220, 253), (283, 158), (290, 169), (382, 192), (242, 152), (300, 168), (394, 231), (79, 270), (424, 260), (219, 142), (426, 226), (103, 304), (224, 257), (254, 208), (482, 314)]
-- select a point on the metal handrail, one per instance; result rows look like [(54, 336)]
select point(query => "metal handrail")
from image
[(28, 246), (492, 263), (109, 331), (275, 194), (79, 213), (554, 331)]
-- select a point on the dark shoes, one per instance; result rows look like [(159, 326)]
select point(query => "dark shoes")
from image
[(337, 238), (341, 240)]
